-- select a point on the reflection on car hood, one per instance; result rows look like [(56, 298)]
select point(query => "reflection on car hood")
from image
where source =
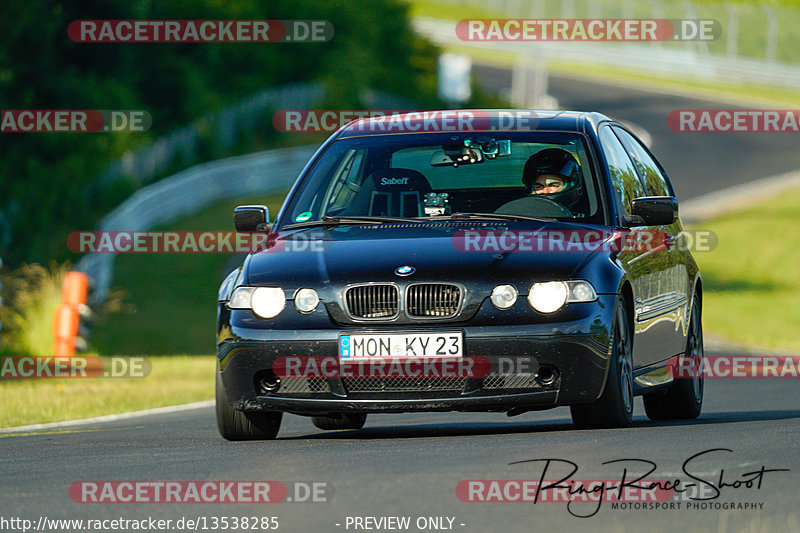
[(351, 254)]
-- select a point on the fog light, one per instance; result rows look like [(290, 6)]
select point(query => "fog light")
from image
[(306, 300), (504, 296)]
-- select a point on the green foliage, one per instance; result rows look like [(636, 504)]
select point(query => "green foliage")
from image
[(31, 295), (45, 189)]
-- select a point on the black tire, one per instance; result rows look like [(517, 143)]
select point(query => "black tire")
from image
[(614, 408), (244, 425), (343, 421), (684, 399)]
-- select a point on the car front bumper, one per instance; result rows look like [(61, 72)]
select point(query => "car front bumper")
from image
[(578, 351)]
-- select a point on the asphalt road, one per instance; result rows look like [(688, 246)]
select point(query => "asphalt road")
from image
[(410, 465), (697, 163)]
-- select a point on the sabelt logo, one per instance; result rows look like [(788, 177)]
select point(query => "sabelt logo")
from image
[(394, 181)]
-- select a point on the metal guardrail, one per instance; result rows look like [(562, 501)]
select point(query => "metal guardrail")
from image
[(692, 61), (190, 191), (147, 163), (196, 188)]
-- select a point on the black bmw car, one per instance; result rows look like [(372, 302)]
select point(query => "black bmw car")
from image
[(464, 261)]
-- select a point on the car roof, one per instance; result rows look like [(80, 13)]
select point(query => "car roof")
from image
[(446, 120)]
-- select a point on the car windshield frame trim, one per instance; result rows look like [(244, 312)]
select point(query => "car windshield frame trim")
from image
[(589, 139)]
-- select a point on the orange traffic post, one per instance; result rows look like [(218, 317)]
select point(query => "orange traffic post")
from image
[(65, 329), (74, 289), (67, 317)]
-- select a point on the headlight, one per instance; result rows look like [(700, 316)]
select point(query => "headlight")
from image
[(240, 299), (268, 302), (504, 296), (306, 300), (581, 291), (548, 297)]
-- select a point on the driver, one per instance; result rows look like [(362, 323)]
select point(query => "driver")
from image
[(555, 174)]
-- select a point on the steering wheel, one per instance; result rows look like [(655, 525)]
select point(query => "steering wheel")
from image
[(535, 206)]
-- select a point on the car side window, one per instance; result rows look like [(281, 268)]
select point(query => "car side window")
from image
[(650, 172), (347, 182), (623, 174)]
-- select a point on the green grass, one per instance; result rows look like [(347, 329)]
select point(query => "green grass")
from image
[(172, 380), (752, 280), (742, 93), (751, 36), (170, 299), (34, 294), (169, 308), (751, 283), (751, 44)]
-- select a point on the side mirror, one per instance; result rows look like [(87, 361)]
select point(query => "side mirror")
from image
[(653, 211), (251, 218)]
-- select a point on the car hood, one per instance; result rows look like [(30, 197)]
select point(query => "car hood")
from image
[(436, 252)]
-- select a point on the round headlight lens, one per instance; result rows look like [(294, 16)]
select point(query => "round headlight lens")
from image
[(268, 302), (306, 300), (504, 296), (548, 297)]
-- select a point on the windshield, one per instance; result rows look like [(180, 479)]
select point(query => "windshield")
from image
[(421, 176)]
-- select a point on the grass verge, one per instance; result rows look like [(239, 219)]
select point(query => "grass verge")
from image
[(751, 280), (173, 380), (730, 92), (169, 305)]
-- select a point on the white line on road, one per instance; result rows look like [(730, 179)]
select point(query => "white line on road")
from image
[(110, 418)]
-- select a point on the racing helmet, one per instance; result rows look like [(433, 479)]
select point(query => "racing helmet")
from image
[(557, 162)]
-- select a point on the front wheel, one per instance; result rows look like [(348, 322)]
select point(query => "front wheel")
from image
[(244, 425), (614, 408), (684, 399)]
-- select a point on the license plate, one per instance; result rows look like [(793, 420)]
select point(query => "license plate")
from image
[(379, 345)]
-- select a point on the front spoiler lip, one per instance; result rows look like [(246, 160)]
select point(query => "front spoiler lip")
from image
[(499, 402)]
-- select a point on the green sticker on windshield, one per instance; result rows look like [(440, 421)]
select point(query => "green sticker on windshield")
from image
[(302, 217)]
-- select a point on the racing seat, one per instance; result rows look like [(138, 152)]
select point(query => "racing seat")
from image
[(397, 192)]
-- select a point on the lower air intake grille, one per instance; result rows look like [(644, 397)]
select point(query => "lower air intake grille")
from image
[(510, 381), (304, 386), (403, 384)]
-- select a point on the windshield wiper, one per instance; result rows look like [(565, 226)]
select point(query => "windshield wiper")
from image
[(328, 221), (491, 216)]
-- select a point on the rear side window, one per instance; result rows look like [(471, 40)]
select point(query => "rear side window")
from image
[(623, 174), (649, 171)]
